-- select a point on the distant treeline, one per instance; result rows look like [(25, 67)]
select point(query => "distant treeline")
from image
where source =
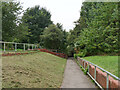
[(95, 32), (35, 26)]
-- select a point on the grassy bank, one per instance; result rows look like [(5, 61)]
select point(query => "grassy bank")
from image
[(109, 63), (38, 70)]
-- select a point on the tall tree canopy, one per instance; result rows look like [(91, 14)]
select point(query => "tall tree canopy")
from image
[(97, 29), (10, 20), (37, 19)]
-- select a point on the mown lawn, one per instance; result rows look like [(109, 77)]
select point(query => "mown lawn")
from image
[(109, 63), (38, 70)]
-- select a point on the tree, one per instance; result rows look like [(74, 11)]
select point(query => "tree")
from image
[(37, 19), (71, 40), (97, 28), (10, 19), (22, 33), (64, 39), (60, 26), (52, 37)]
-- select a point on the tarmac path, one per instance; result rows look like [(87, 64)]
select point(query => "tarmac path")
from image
[(74, 77)]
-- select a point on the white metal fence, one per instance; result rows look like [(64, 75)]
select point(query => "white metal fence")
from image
[(94, 78), (24, 45)]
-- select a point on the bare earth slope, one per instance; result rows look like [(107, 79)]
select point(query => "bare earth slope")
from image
[(37, 70)]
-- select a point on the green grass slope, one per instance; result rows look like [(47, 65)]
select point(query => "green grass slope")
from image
[(109, 63), (38, 70)]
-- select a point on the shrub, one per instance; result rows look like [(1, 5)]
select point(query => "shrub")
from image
[(81, 54), (75, 56)]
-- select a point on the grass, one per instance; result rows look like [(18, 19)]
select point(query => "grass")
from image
[(18, 51), (37, 70), (11, 50), (109, 63)]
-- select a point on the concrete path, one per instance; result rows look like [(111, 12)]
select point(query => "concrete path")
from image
[(74, 77)]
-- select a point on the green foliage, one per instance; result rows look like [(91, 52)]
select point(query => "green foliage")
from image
[(81, 54), (82, 69), (97, 29), (30, 28), (70, 50), (75, 56), (10, 20), (64, 41), (52, 37), (80, 66), (70, 39), (93, 81), (95, 32), (37, 19), (22, 35), (85, 71)]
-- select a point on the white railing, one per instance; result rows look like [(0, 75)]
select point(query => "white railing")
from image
[(34, 46), (94, 78)]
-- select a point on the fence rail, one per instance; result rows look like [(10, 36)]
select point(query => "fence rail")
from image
[(34, 46), (94, 78)]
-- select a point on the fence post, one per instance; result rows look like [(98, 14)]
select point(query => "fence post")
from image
[(15, 46), (88, 67), (4, 47), (32, 46), (28, 46), (80, 62), (35, 46), (107, 81), (95, 73), (84, 64), (24, 47)]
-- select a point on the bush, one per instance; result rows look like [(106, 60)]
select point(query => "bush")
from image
[(81, 54), (75, 56)]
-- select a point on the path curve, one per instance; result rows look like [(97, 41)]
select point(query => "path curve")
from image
[(74, 77)]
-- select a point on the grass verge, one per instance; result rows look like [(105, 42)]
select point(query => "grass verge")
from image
[(109, 63), (37, 70)]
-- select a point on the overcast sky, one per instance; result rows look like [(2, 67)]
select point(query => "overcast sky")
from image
[(62, 11)]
